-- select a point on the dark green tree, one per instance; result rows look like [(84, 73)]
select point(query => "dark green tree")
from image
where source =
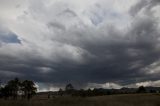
[(28, 88), (13, 86), (5, 92), (141, 89), (60, 92), (69, 89)]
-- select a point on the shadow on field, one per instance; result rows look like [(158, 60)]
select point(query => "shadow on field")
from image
[(109, 100)]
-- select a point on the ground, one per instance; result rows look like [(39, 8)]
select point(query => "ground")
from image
[(108, 100)]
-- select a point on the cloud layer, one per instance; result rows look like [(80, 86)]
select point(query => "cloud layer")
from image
[(82, 42)]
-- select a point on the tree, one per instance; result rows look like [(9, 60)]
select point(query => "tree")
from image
[(69, 89), (28, 88), (60, 92), (13, 86), (141, 89), (89, 92), (5, 92)]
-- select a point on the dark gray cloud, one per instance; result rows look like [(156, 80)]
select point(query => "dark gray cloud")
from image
[(145, 5), (68, 12), (69, 48), (56, 26)]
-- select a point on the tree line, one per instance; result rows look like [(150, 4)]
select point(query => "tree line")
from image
[(26, 89), (17, 88), (70, 90)]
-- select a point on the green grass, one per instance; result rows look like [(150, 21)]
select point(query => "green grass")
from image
[(109, 100)]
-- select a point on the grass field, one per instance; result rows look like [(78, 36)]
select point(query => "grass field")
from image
[(109, 100)]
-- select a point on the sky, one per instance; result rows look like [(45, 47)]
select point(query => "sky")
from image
[(89, 43)]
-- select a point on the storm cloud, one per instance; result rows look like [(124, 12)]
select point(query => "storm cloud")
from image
[(89, 43)]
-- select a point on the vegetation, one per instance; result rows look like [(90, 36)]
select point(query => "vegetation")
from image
[(15, 88), (108, 100), (28, 89), (15, 92), (69, 90), (141, 89)]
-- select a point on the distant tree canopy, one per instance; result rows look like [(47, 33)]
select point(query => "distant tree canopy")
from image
[(69, 89), (60, 92), (141, 89), (16, 87), (28, 88)]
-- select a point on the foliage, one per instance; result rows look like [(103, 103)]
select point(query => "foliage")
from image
[(141, 89), (28, 88), (69, 89), (15, 86)]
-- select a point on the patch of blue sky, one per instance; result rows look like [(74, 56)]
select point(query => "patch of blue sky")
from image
[(9, 38), (99, 16)]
